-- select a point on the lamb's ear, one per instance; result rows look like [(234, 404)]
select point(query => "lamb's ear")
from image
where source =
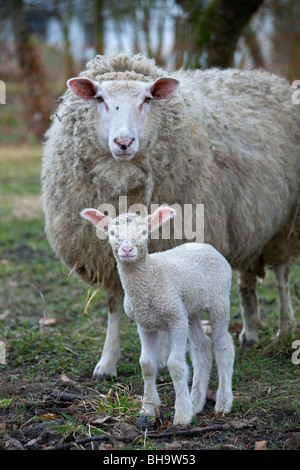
[(164, 87), (83, 87), (159, 217), (97, 218)]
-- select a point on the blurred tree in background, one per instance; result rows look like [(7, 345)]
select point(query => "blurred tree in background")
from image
[(43, 43)]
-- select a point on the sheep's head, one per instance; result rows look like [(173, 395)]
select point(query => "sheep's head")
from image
[(129, 233), (124, 109)]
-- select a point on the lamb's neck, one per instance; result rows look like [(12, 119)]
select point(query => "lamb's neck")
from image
[(136, 277)]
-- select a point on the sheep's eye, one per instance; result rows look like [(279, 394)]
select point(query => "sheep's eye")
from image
[(144, 232), (112, 233), (147, 99), (99, 98)]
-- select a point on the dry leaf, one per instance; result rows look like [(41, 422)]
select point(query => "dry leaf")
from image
[(31, 443), (49, 416), (2, 427), (99, 419), (260, 445), (47, 321), (65, 378)]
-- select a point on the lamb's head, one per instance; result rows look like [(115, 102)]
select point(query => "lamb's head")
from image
[(124, 109), (129, 233)]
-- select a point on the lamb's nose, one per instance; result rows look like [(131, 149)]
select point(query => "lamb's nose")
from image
[(127, 249), (124, 143)]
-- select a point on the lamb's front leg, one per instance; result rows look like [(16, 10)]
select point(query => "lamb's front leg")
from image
[(178, 368), (148, 363), (111, 351)]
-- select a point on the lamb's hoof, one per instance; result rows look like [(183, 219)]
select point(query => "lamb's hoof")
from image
[(224, 404), (102, 373), (223, 408)]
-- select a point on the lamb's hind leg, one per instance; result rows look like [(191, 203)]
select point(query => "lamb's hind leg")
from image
[(249, 305), (111, 351), (224, 354), (200, 350), (286, 315)]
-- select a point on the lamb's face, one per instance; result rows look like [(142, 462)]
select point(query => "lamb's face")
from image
[(124, 108), (128, 237)]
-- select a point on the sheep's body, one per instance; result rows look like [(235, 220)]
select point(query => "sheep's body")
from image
[(168, 292), (227, 139)]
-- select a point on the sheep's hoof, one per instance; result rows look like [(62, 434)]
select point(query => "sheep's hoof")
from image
[(247, 340)]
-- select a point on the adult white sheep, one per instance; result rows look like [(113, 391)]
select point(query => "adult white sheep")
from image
[(227, 139), (169, 291)]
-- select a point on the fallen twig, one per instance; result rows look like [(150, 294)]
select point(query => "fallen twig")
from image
[(150, 435)]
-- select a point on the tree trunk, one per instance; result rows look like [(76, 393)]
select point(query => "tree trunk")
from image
[(216, 28), (31, 70)]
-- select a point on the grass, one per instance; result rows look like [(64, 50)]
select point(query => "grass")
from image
[(35, 286)]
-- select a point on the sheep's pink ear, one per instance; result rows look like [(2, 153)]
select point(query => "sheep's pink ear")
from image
[(97, 218), (162, 88), (83, 87), (159, 217)]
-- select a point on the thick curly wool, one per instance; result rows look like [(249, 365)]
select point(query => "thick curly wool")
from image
[(227, 139)]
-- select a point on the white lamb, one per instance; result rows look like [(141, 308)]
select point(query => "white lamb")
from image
[(168, 291)]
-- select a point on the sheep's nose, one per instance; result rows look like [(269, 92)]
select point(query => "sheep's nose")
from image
[(127, 249), (124, 143)]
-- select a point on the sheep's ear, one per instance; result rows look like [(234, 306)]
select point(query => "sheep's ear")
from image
[(164, 87), (83, 87), (161, 215), (97, 218)]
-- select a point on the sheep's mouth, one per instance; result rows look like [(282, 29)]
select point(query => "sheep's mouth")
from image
[(123, 156), (127, 257)]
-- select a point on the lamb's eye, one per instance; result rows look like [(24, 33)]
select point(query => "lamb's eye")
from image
[(147, 99), (144, 232), (112, 233), (99, 98)]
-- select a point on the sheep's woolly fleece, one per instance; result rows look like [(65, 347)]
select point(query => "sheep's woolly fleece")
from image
[(226, 139)]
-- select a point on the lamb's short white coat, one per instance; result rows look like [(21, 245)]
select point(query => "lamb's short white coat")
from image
[(168, 292)]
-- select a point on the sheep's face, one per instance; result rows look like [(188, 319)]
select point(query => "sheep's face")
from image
[(124, 108), (128, 237)]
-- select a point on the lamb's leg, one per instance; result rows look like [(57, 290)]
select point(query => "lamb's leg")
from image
[(249, 305), (111, 350), (178, 368), (224, 355), (148, 363), (200, 350), (286, 315)]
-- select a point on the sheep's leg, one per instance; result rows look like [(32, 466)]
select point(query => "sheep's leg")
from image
[(178, 368), (224, 354), (148, 363), (111, 350), (249, 305), (200, 350), (286, 315)]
